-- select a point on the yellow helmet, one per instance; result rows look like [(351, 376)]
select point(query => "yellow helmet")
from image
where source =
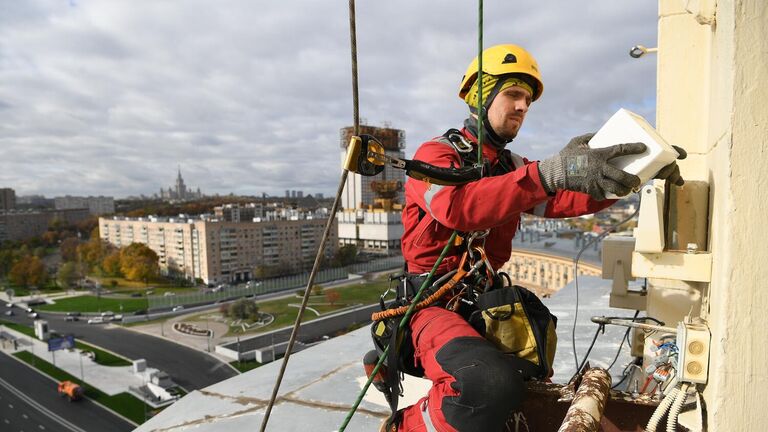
[(502, 60)]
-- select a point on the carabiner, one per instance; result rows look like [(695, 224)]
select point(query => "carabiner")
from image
[(460, 143)]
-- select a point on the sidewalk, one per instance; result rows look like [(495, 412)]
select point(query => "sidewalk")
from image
[(111, 380)]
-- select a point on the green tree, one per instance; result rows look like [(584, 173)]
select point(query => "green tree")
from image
[(139, 263), (244, 309), (67, 274), (6, 261), (345, 256)]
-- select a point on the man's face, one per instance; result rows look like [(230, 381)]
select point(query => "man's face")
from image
[(508, 110)]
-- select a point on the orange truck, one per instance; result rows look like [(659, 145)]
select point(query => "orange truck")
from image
[(71, 390)]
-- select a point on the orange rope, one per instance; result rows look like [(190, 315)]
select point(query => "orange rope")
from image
[(391, 313)]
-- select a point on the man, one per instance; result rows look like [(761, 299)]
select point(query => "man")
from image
[(476, 386)]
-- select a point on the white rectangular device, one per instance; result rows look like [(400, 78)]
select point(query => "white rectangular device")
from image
[(628, 127)]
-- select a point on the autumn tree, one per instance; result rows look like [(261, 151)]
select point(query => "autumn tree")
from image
[(28, 271), (111, 264), (68, 249), (332, 296), (139, 262)]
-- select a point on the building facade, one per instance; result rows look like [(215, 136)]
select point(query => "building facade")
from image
[(96, 205), (179, 191), (7, 199), (222, 251), (23, 225), (371, 215)]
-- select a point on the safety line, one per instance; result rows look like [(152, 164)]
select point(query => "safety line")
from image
[(331, 220), (407, 317), (480, 111)]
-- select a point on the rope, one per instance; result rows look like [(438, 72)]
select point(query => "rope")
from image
[(480, 110), (402, 310), (331, 219), (401, 326), (451, 240)]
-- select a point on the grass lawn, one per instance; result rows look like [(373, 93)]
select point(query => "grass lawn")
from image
[(123, 403), (356, 294), (125, 286), (245, 366), (102, 357), (90, 303)]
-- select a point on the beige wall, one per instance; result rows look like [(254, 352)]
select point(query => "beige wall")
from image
[(712, 93), (218, 251)]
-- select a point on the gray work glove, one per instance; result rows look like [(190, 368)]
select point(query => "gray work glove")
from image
[(582, 169), (671, 172)]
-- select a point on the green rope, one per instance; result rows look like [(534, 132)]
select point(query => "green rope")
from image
[(451, 240), (403, 323)]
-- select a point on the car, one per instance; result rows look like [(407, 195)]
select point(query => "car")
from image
[(74, 314), (9, 313), (177, 308), (34, 315), (29, 310), (168, 294), (136, 294), (71, 318), (96, 320), (140, 312), (9, 305), (107, 314)]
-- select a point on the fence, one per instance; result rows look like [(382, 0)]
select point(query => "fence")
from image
[(274, 285)]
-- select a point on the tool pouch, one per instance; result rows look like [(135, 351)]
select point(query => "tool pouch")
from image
[(518, 323)]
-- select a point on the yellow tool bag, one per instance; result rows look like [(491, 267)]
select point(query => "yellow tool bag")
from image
[(518, 323)]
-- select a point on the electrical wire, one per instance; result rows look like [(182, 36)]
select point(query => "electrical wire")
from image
[(576, 279)]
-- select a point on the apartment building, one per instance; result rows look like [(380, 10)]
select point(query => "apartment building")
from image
[(7, 199), (25, 224), (219, 251), (96, 205)]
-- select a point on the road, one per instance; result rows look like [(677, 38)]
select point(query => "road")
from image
[(29, 402), (189, 368)]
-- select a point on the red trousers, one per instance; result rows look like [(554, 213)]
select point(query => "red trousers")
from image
[(474, 385)]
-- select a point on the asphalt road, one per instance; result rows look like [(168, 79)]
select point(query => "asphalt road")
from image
[(29, 402), (189, 368)]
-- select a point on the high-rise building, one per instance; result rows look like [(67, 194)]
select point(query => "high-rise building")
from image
[(358, 192), (371, 215), (179, 191), (7, 199)]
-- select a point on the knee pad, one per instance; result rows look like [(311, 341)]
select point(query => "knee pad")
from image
[(488, 381)]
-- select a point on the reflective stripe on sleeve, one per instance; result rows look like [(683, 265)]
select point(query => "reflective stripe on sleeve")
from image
[(429, 195), (427, 419)]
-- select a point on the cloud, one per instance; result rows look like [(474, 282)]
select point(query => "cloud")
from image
[(109, 97)]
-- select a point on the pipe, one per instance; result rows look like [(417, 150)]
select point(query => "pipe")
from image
[(653, 423), (586, 410), (677, 405)]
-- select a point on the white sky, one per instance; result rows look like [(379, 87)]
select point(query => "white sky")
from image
[(109, 97)]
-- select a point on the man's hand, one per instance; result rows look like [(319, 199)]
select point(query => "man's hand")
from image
[(671, 172), (582, 169)]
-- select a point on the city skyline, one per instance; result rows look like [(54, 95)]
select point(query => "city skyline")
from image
[(106, 98)]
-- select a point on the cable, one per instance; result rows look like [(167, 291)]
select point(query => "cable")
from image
[(576, 278), (326, 233)]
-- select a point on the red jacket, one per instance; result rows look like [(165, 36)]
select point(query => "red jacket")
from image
[(491, 202)]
